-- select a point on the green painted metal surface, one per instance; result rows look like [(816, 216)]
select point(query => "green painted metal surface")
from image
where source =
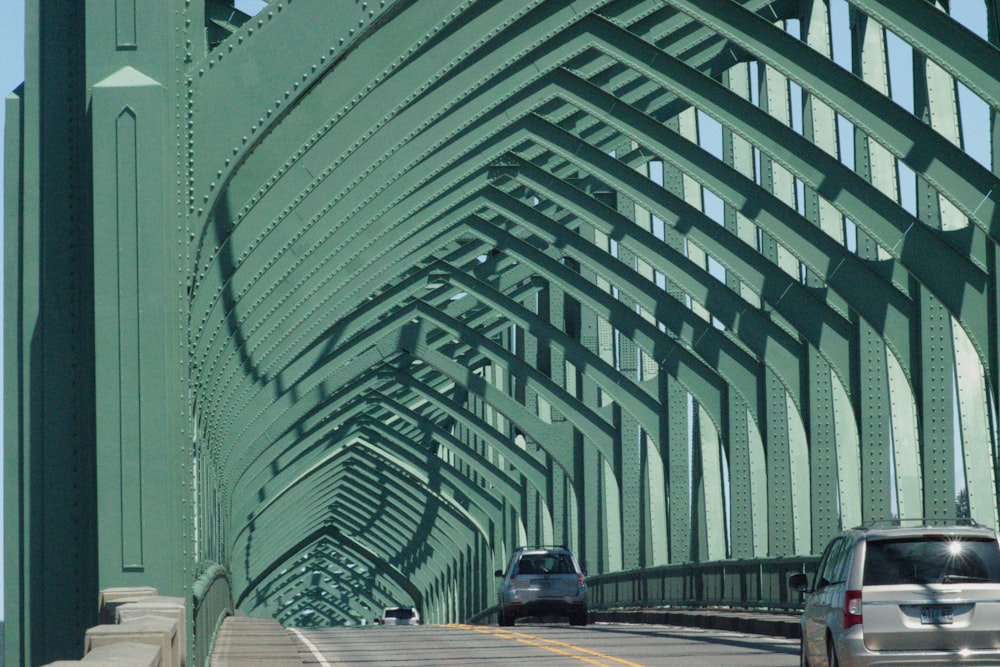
[(331, 306)]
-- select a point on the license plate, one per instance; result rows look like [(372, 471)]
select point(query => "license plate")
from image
[(936, 615)]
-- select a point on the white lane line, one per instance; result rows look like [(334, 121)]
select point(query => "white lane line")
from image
[(312, 647)]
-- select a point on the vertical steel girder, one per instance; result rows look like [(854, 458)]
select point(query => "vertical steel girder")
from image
[(358, 298)]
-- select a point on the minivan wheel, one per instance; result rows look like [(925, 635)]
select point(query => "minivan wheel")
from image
[(578, 619), (506, 620)]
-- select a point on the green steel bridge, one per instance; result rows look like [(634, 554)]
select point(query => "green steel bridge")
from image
[(332, 306)]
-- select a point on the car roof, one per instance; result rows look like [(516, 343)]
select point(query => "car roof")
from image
[(923, 530), (542, 550)]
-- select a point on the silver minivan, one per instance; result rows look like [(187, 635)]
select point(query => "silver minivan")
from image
[(897, 595), (542, 581)]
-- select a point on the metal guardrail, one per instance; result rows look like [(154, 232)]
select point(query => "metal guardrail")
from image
[(745, 584), (213, 602), (753, 584)]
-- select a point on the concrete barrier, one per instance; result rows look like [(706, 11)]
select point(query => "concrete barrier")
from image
[(110, 598), (173, 608), (122, 654), (152, 630), (753, 622), (116, 655)]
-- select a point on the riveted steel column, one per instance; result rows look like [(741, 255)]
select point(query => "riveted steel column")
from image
[(528, 347), (633, 493), (52, 580), (786, 446), (525, 396), (610, 492), (612, 513), (993, 252), (142, 469), (740, 478), (780, 505), (589, 469), (678, 469), (516, 528), (563, 499), (978, 445), (136, 60), (699, 524), (655, 512), (676, 400), (653, 505), (630, 465), (971, 397), (823, 455), (747, 464), (883, 396), (20, 307), (833, 445), (709, 486), (540, 352), (589, 463), (937, 396), (709, 514), (502, 379), (876, 424)]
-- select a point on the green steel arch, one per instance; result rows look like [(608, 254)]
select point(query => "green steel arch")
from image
[(332, 306)]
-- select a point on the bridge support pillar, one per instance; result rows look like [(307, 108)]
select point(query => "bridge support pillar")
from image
[(142, 476)]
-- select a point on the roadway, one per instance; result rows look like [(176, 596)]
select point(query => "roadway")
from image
[(608, 645)]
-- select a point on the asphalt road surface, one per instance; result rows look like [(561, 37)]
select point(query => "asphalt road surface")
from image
[(607, 645)]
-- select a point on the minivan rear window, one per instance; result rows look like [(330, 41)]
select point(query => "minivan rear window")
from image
[(399, 613), (936, 559)]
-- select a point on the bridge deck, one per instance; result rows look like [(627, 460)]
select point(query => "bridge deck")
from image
[(244, 642)]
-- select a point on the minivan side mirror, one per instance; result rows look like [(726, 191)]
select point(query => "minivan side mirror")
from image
[(498, 573), (799, 582)]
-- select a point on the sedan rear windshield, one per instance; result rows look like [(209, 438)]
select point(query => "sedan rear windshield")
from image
[(940, 559)]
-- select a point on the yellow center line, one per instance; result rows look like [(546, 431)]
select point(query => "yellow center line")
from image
[(549, 645)]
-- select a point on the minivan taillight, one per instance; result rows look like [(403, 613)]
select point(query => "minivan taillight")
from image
[(852, 608), (580, 581)]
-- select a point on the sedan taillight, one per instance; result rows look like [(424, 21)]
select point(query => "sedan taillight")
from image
[(852, 608)]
